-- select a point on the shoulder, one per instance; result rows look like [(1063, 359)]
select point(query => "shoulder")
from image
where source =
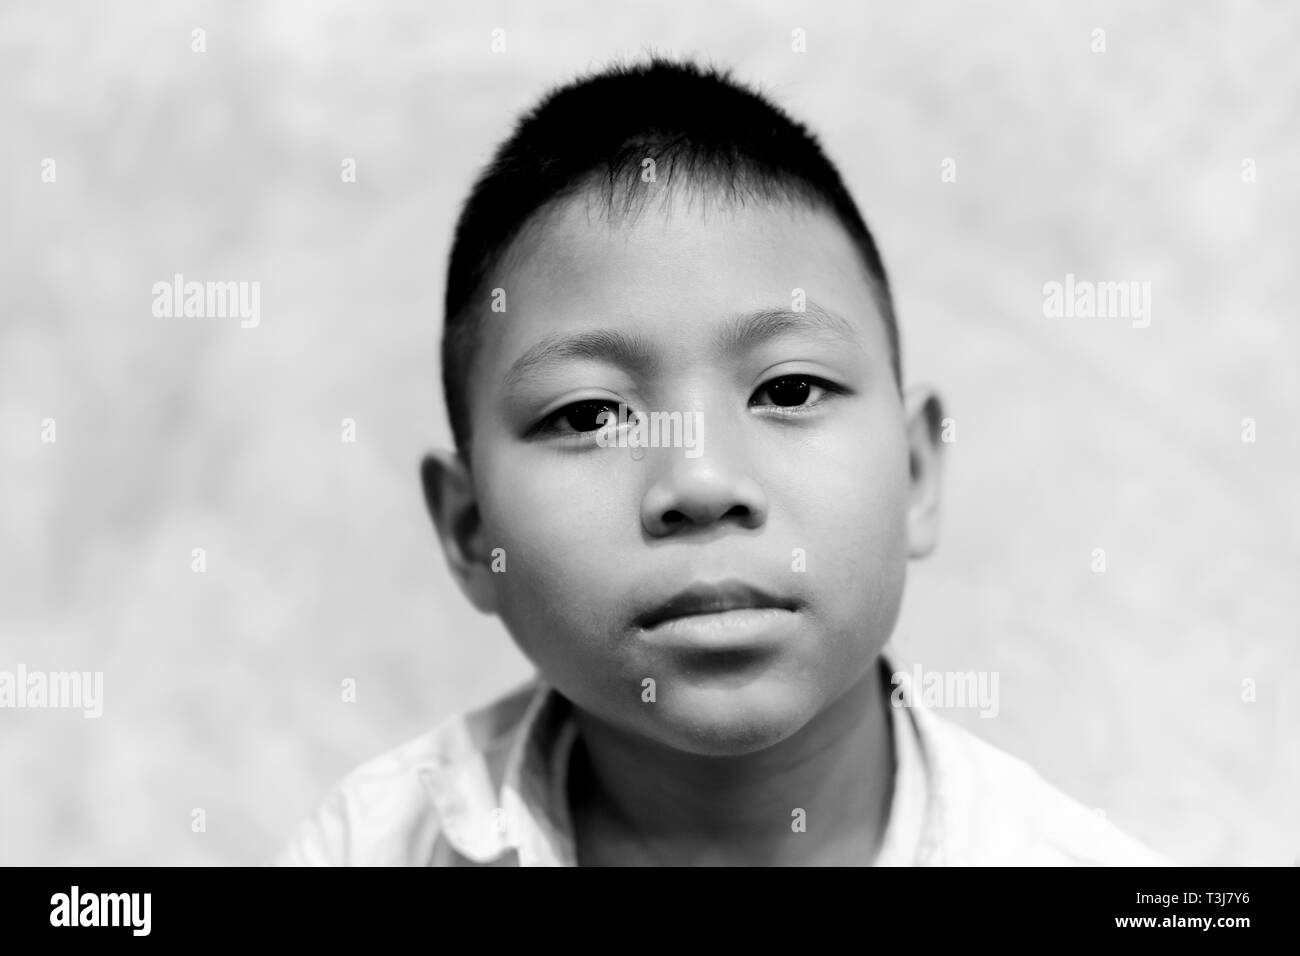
[(993, 809), (382, 813)]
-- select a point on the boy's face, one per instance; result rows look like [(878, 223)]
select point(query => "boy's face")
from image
[(799, 496)]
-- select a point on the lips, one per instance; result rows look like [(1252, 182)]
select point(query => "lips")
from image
[(714, 598)]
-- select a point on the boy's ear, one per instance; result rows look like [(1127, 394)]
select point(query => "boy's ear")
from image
[(449, 496), (924, 413)]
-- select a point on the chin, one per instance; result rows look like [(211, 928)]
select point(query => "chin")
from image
[(727, 721)]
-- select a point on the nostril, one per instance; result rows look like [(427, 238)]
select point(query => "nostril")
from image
[(675, 518), (683, 502)]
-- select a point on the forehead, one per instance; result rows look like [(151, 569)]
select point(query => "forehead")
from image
[(674, 274)]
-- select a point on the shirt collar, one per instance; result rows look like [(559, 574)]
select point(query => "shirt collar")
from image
[(503, 800), (501, 794)]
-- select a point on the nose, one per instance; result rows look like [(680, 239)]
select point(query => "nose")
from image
[(693, 494)]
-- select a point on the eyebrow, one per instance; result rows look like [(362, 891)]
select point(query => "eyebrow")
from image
[(610, 345), (739, 334), (746, 331)]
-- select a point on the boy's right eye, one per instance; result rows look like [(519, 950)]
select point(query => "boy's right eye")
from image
[(578, 418)]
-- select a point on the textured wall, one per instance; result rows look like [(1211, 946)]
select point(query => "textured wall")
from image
[(222, 689)]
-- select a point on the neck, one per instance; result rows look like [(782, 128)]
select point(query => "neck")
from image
[(635, 800)]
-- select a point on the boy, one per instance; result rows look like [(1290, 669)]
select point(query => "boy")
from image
[(705, 600)]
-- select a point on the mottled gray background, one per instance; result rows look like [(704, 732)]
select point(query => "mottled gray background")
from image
[(222, 690)]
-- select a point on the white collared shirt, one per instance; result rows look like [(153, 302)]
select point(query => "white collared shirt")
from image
[(487, 788)]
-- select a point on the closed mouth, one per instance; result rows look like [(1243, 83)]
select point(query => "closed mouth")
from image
[(712, 598)]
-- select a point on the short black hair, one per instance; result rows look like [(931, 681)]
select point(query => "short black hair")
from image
[(697, 123)]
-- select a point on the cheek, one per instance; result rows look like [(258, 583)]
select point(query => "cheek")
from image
[(852, 503), (557, 539)]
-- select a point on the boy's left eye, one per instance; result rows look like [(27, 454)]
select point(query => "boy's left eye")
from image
[(582, 418), (793, 391)]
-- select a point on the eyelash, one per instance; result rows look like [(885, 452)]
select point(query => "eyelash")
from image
[(549, 423), (786, 411)]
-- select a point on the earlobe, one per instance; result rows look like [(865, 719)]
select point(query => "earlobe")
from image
[(452, 504), (924, 411)]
